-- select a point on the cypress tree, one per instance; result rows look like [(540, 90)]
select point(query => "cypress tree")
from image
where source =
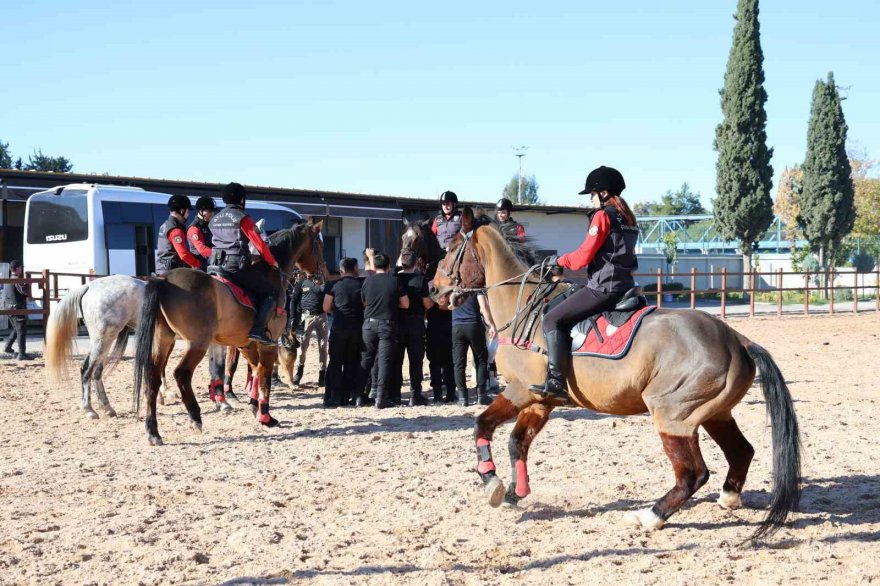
[(827, 202), (744, 207)]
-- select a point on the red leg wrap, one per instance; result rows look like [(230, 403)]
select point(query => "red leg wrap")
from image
[(253, 386), (263, 412), (216, 391), (522, 479), (484, 457)]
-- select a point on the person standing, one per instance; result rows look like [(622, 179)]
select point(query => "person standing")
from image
[(411, 329), (231, 230), (381, 296), (468, 331), (198, 234), (308, 298), (342, 300), (19, 296), (171, 252)]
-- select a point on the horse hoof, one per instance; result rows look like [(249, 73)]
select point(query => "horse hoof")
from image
[(155, 440), (110, 412), (494, 489), (225, 407), (232, 396), (730, 500), (160, 399), (197, 425), (91, 414), (271, 423), (644, 518)]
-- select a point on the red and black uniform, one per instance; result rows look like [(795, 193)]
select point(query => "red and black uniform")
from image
[(446, 228), (231, 231), (511, 227), (609, 254), (198, 235), (172, 252)]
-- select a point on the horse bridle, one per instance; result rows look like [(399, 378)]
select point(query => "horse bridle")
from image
[(458, 260)]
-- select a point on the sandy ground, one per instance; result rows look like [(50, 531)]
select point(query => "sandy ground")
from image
[(363, 496)]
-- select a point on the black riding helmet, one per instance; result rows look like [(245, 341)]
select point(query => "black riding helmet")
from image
[(233, 193), (178, 203), (604, 179), (504, 204), (449, 196), (205, 204)]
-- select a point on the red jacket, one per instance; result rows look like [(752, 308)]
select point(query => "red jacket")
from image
[(600, 226), (178, 239)]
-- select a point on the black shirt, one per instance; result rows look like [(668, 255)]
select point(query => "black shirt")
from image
[(381, 295), (415, 285), (348, 309), (309, 297)]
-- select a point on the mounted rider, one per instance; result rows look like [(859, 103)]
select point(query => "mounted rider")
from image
[(198, 234), (231, 231), (447, 224), (609, 252), (508, 226), (171, 252)]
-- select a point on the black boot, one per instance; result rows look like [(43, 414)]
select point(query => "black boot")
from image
[(276, 380), (321, 377), (558, 354), (483, 397), (258, 332), (299, 374), (462, 397), (416, 399), (438, 395), (450, 394), (381, 399)]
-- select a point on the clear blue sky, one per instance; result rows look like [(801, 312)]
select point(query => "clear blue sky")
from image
[(412, 98)]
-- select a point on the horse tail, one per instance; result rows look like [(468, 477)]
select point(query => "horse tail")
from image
[(60, 333), (143, 355), (786, 443)]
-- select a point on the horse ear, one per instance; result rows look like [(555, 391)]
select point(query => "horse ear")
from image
[(316, 227), (467, 222)]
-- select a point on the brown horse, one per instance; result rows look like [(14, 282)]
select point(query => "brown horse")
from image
[(418, 237), (199, 309), (686, 368)]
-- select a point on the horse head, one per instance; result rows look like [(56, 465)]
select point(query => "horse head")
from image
[(299, 247), (462, 268)]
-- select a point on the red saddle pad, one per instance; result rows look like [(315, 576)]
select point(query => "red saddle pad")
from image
[(236, 291), (616, 344)]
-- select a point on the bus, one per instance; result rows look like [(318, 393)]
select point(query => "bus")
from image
[(110, 229)]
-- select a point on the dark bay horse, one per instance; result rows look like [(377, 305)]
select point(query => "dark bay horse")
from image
[(418, 237), (686, 368), (197, 308)]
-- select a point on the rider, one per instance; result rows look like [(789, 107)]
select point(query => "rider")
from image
[(198, 234), (170, 248), (231, 230), (609, 253), (508, 225), (447, 224)]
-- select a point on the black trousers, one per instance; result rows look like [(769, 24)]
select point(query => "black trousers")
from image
[(473, 336), (579, 306), (380, 345), (18, 333), (255, 280), (343, 369), (410, 343), (439, 349)]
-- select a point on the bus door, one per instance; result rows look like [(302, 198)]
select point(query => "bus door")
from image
[(144, 259)]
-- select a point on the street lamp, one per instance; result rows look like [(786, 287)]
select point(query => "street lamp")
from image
[(520, 153)]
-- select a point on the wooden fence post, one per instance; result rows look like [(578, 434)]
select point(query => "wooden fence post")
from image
[(830, 281), (45, 302), (877, 290), (807, 293), (752, 292), (659, 287), (856, 293), (723, 292), (779, 293), (693, 287)]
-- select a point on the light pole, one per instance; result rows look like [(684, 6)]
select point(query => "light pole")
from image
[(520, 153)]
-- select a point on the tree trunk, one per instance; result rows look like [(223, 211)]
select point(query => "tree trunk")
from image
[(747, 270)]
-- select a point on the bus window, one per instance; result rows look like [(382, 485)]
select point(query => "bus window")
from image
[(58, 218)]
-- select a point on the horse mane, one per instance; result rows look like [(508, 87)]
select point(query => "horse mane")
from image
[(523, 250), (284, 243)]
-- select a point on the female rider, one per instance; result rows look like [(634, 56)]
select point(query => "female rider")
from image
[(609, 254)]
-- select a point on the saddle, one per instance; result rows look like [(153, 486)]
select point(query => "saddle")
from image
[(277, 322)]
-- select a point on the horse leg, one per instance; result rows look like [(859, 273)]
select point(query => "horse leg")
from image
[(85, 377), (261, 382), (102, 394), (738, 452), (529, 423), (161, 352), (216, 366), (690, 474), (183, 374), (504, 408), (232, 355)]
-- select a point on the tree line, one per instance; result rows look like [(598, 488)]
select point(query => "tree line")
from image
[(36, 161)]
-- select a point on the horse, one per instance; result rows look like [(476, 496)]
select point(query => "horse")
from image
[(685, 368), (418, 237), (201, 310)]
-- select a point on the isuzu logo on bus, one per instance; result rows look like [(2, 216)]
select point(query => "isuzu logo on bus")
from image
[(56, 237)]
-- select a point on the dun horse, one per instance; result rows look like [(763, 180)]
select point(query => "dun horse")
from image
[(197, 308), (686, 368)]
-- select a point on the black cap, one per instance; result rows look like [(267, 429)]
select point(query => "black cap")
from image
[(178, 203), (233, 193), (449, 196), (504, 204), (604, 179), (206, 203)]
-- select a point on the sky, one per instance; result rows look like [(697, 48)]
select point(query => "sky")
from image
[(414, 98)]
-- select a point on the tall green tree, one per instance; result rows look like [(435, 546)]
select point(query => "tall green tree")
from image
[(744, 207), (827, 199), (681, 202), (5, 156), (529, 193), (40, 162)]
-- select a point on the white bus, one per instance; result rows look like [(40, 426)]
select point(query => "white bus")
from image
[(109, 229)]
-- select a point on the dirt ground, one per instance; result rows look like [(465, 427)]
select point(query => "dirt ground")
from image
[(359, 496)]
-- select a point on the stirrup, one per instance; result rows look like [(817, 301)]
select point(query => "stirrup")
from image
[(550, 389), (262, 338)]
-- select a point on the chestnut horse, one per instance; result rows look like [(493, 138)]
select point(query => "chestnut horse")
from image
[(194, 306), (686, 368)]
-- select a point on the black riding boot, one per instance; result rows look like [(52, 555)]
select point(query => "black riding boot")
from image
[(558, 354), (483, 397), (299, 374), (416, 399), (258, 332)]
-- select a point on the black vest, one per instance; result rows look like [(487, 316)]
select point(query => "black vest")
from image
[(166, 256), (228, 241), (206, 235), (509, 228), (447, 230), (615, 262), (312, 297)]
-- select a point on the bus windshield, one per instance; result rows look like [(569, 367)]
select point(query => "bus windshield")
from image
[(58, 218)]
